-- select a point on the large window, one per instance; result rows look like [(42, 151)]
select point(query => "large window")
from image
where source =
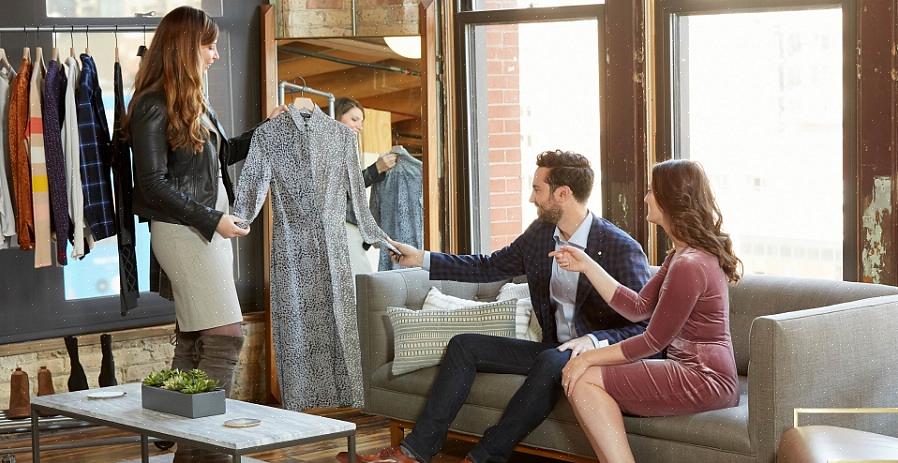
[(532, 87), (124, 9), (757, 98)]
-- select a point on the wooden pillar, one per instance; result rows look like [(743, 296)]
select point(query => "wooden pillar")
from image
[(876, 164), (269, 82), (624, 142)]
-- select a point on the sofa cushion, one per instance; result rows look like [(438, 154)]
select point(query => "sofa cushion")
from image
[(520, 291), (726, 429), (421, 336), (524, 319)]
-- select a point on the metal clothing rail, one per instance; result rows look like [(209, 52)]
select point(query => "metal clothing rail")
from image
[(284, 85), (83, 28)]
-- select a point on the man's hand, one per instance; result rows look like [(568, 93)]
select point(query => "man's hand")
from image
[(411, 256), (228, 226), (577, 346)]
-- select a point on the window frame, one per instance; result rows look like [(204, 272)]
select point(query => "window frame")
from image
[(467, 172), (669, 135)]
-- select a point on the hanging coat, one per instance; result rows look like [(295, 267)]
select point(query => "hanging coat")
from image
[(310, 163), (7, 215)]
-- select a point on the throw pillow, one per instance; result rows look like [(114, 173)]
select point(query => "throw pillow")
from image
[(527, 328), (420, 337), (436, 300)]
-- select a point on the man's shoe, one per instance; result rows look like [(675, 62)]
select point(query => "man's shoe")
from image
[(388, 455)]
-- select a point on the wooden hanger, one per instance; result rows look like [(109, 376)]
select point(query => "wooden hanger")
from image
[(302, 101), (87, 40), (72, 42), (54, 53), (116, 43), (3, 61)]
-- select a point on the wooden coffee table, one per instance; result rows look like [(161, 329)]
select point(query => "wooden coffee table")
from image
[(279, 428)]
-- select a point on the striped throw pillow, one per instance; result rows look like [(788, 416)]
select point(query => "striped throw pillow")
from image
[(524, 320), (420, 337)]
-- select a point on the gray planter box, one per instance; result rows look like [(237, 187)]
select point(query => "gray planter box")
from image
[(176, 403)]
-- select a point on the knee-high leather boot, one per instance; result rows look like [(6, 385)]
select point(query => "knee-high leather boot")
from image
[(218, 358), (185, 359)]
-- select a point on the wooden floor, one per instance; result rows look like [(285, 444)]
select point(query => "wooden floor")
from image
[(373, 433)]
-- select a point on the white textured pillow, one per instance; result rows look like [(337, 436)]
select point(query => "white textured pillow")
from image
[(520, 291), (420, 337), (523, 324)]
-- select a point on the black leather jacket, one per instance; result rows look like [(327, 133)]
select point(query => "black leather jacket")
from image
[(179, 186)]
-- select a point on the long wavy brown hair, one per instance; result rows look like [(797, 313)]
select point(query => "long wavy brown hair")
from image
[(683, 193), (174, 65)]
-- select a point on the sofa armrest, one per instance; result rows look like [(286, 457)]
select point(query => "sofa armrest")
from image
[(837, 356)]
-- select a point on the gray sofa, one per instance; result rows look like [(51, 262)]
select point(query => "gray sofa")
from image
[(798, 343)]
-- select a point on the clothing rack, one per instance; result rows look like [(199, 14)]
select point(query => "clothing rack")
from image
[(83, 28), (284, 85)]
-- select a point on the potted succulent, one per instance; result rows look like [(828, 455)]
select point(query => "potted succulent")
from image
[(187, 393)]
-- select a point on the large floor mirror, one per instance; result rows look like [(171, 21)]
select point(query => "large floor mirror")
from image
[(384, 76)]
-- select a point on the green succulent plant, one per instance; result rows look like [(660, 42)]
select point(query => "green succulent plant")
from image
[(188, 382)]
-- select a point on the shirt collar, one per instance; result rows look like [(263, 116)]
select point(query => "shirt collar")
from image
[(581, 236)]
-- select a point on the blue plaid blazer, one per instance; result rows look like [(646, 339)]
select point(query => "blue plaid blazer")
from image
[(96, 151), (618, 253)]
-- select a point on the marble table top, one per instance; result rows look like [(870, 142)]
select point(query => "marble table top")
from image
[(278, 426)]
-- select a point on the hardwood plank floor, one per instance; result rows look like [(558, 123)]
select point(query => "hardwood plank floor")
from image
[(373, 433)]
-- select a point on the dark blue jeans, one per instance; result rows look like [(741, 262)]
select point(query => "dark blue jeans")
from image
[(468, 354)]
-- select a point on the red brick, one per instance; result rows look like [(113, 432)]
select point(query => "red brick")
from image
[(496, 126), (504, 141), (497, 156), (511, 96), (505, 111), (513, 155), (513, 125), (505, 170), (513, 213), (504, 199), (324, 4), (505, 228), (495, 97), (497, 185), (513, 185), (498, 214), (510, 38)]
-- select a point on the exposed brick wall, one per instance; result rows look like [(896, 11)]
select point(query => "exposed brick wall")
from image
[(504, 128), (136, 352), (333, 18)]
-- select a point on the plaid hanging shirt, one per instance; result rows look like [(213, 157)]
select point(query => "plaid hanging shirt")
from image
[(95, 153)]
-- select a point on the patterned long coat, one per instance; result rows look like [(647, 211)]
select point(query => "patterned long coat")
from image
[(310, 161)]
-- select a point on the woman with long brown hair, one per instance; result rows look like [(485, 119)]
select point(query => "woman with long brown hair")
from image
[(182, 187), (688, 303)]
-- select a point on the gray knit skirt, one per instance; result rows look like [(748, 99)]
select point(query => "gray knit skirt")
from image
[(201, 272)]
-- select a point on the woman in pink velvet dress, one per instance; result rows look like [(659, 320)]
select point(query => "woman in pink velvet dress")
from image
[(688, 305)]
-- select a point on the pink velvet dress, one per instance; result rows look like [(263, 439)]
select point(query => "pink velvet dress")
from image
[(688, 302)]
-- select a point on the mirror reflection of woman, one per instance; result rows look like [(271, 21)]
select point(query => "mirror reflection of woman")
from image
[(352, 114), (688, 302)]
